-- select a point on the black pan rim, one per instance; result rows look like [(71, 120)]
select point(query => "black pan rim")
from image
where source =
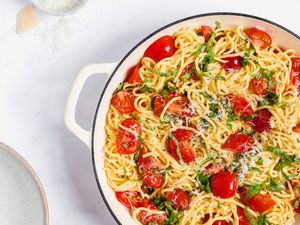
[(137, 45)]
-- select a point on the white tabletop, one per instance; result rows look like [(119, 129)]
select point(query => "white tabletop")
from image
[(38, 68)]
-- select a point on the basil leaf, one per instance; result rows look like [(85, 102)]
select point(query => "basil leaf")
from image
[(138, 152), (247, 55), (185, 77), (147, 80), (164, 93), (119, 88), (249, 218), (218, 25), (203, 182), (274, 186), (247, 118), (169, 74), (200, 49), (229, 120), (178, 151), (296, 204), (144, 89), (254, 190)]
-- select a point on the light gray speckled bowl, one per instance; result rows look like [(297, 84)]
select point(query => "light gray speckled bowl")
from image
[(22, 198)]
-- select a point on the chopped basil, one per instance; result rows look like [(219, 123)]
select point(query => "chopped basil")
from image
[(254, 190), (218, 25), (152, 103), (200, 49), (203, 182), (145, 88), (274, 186), (185, 77), (147, 80), (255, 169), (247, 118), (177, 148), (249, 218), (296, 204), (229, 120), (119, 88), (260, 161), (137, 154), (209, 57), (166, 205), (164, 93), (284, 104), (219, 78), (205, 124), (169, 74), (207, 96), (286, 160), (146, 123), (270, 99), (247, 55)]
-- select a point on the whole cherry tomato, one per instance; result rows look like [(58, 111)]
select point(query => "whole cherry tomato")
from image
[(161, 48)]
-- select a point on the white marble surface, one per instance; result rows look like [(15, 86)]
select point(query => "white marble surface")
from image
[(35, 79)]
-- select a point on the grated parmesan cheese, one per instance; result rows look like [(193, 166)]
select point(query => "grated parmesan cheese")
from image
[(59, 6)]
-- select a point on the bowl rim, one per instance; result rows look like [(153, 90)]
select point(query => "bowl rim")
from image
[(133, 49), (34, 177)]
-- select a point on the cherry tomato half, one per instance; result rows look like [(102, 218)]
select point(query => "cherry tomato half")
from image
[(295, 73), (259, 38), (232, 63), (161, 48), (150, 166), (259, 86), (261, 203), (240, 105), (179, 198), (262, 120), (224, 184), (238, 142), (187, 69), (134, 75), (151, 218), (123, 102), (180, 108), (183, 137), (129, 198), (206, 32), (127, 143), (217, 222), (242, 218)]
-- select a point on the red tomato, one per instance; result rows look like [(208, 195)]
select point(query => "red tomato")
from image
[(180, 198), (206, 32), (240, 105), (297, 210), (259, 86), (259, 38), (183, 137), (134, 75), (147, 217), (161, 48), (217, 222), (129, 198), (262, 120), (295, 73), (127, 143), (232, 63), (150, 165), (153, 179), (224, 184), (123, 102), (238, 142), (180, 108), (242, 218), (187, 69), (296, 128), (261, 203)]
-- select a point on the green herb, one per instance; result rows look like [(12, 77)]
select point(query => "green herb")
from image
[(248, 132), (200, 49), (173, 215), (119, 88), (255, 169), (147, 125), (147, 80), (286, 160), (209, 57), (249, 218), (274, 186), (177, 148), (219, 78), (145, 88), (169, 74), (270, 99), (164, 93), (284, 104), (137, 154), (203, 74), (260, 161), (152, 102), (229, 120), (247, 118), (247, 55), (207, 96), (219, 205), (218, 25), (185, 77), (254, 190), (203, 182), (205, 124), (262, 220), (296, 204)]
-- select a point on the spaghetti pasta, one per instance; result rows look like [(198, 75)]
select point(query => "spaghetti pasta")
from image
[(227, 104)]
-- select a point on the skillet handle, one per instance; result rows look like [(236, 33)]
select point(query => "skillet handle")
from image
[(84, 74)]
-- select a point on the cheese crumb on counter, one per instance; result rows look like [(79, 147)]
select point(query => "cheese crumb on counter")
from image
[(26, 19)]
